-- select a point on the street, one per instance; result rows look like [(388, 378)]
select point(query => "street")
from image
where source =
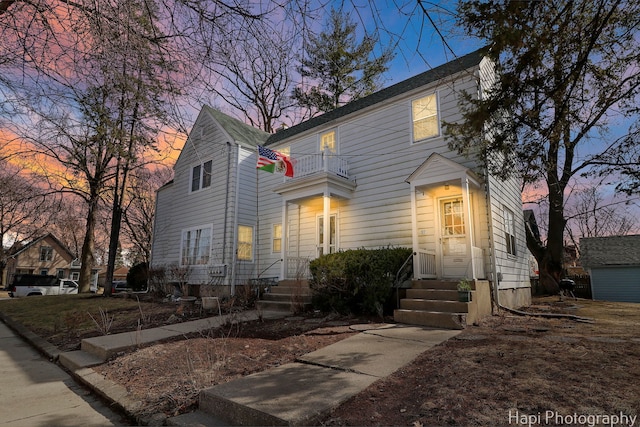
[(36, 392)]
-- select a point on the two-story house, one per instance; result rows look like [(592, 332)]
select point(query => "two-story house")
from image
[(376, 172)]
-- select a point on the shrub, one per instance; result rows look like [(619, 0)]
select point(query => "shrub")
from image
[(358, 281), (137, 277)]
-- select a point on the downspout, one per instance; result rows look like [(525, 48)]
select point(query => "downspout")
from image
[(494, 262), (226, 205), (235, 225)]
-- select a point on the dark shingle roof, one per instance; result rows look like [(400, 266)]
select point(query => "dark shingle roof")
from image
[(450, 68), (239, 131), (613, 250)]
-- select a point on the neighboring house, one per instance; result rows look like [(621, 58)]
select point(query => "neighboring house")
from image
[(614, 265), (45, 255), (374, 173)]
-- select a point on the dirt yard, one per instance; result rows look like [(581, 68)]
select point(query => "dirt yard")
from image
[(508, 366)]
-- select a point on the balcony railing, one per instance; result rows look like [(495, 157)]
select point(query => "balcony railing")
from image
[(321, 162)]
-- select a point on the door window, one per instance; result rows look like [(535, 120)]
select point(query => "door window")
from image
[(453, 228)]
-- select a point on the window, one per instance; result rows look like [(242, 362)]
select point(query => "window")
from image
[(46, 253), (196, 246), (425, 117), (333, 237), (75, 276), (328, 142), (201, 176), (245, 243), (510, 231), (44, 271), (453, 218), (276, 246)]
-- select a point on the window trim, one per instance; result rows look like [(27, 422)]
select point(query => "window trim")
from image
[(251, 244), (275, 238), (46, 256), (335, 141), (438, 134), (205, 173), (182, 256), (509, 223)]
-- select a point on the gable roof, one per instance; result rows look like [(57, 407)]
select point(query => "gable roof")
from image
[(240, 132), (423, 174), (437, 73), (610, 251), (41, 238)]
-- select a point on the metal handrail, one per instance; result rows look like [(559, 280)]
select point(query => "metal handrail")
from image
[(397, 280)]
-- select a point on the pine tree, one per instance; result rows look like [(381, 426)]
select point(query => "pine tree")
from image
[(340, 69)]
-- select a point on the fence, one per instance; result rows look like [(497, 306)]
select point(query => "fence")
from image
[(582, 289)]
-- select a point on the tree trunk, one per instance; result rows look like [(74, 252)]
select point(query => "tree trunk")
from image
[(116, 219), (86, 258)]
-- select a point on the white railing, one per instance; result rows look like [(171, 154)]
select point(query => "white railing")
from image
[(321, 162), (298, 268), (426, 264), (478, 263)]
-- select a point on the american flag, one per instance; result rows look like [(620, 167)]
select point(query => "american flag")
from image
[(266, 157)]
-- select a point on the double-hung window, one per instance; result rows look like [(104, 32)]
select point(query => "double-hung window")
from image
[(426, 123), (201, 176), (276, 246), (46, 253), (196, 246), (245, 243), (509, 231), (328, 142)]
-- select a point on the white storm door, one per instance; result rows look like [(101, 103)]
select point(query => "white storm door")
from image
[(453, 238)]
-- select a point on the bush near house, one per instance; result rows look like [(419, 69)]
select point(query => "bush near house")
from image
[(137, 277), (358, 281)]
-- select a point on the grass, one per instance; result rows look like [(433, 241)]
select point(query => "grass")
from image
[(63, 320)]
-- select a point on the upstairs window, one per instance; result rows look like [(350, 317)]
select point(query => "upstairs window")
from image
[(510, 231), (46, 253), (201, 176), (425, 118), (328, 142)]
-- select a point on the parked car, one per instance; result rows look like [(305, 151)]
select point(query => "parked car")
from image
[(35, 284), (119, 286)]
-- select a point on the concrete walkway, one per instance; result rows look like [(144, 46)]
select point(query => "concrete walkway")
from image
[(298, 393), (36, 392)]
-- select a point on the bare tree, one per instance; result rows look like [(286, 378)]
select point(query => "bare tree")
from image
[(25, 210), (592, 216), (139, 210), (257, 77)]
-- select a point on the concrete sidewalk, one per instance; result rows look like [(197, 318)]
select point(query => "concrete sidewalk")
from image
[(303, 392), (298, 393)]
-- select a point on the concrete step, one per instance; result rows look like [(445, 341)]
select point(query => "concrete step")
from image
[(434, 284), (433, 294), (74, 360), (285, 297), (292, 290), (434, 305), (432, 319), (283, 306)]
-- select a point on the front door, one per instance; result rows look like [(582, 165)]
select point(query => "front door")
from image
[(453, 238)]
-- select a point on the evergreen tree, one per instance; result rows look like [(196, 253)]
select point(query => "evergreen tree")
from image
[(340, 69)]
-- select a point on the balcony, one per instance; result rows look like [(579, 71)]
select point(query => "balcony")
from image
[(321, 162), (321, 174)]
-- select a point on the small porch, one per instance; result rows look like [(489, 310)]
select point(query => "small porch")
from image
[(447, 216), (310, 202)]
